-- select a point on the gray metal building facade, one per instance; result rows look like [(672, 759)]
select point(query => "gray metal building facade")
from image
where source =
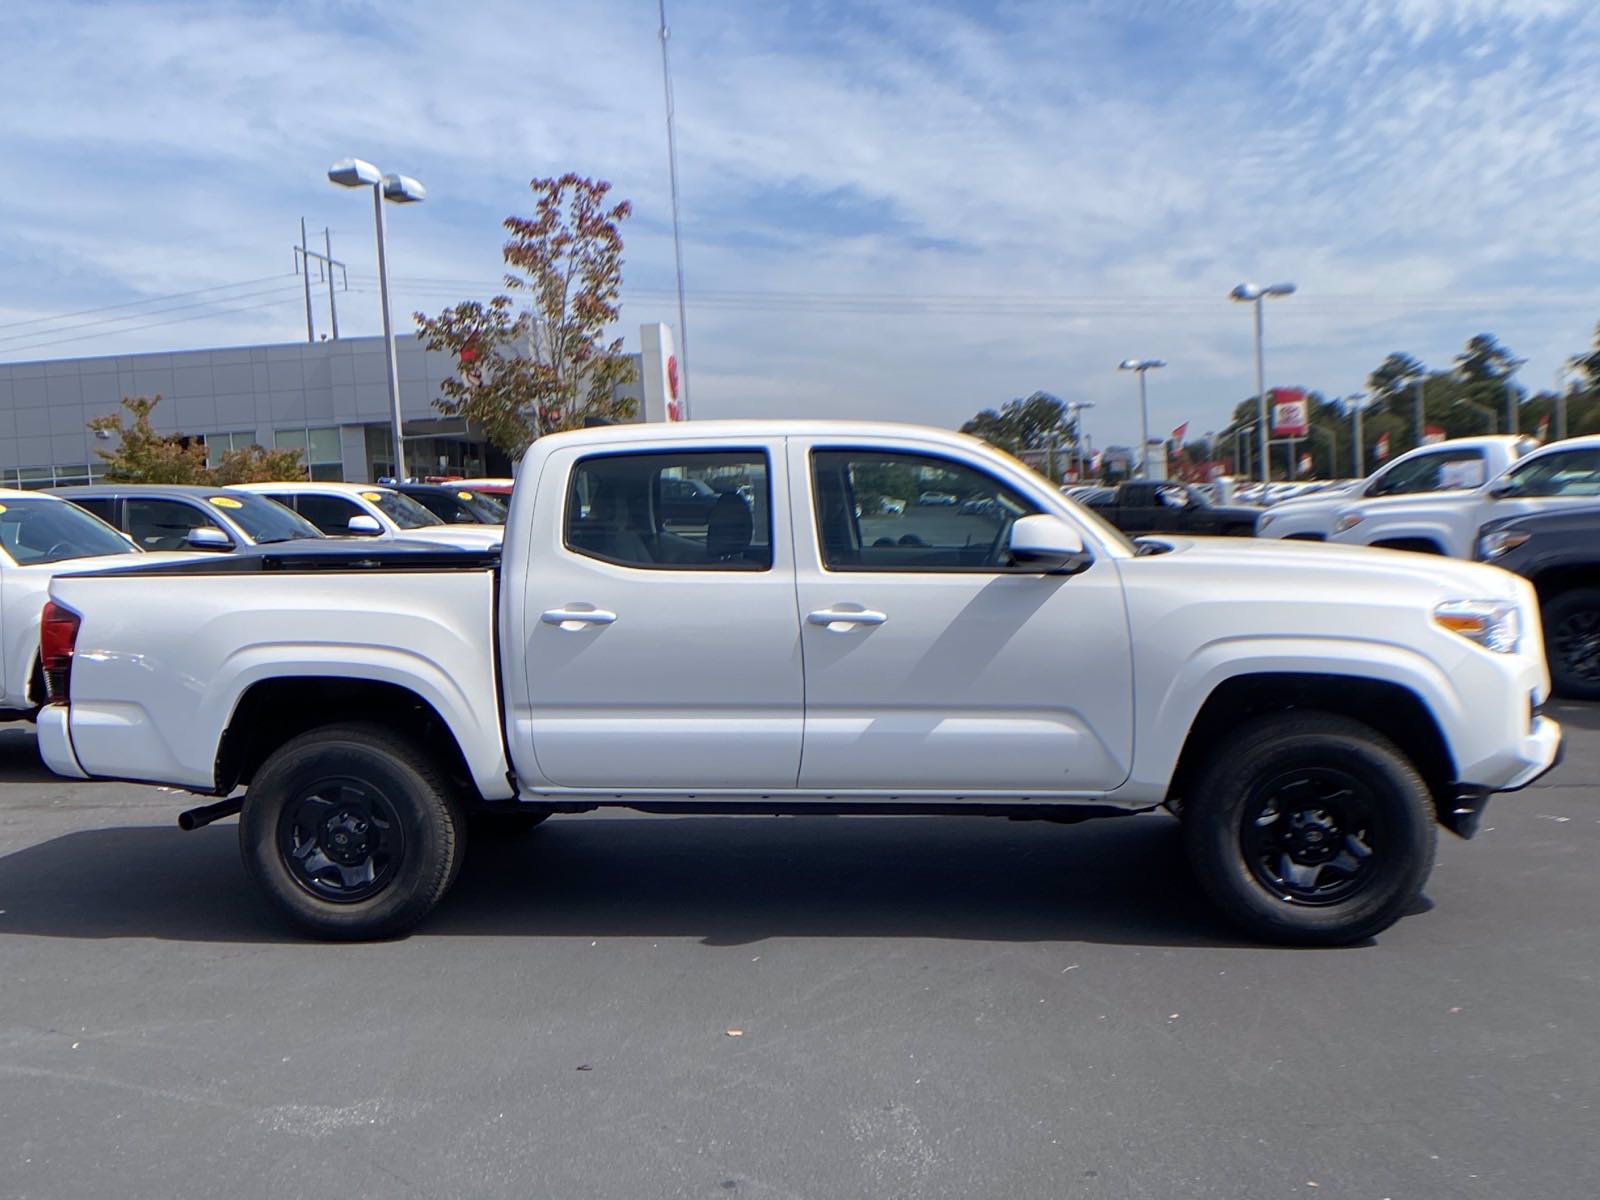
[(330, 398)]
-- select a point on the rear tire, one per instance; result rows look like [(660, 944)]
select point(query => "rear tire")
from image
[(1572, 643), (1310, 829), (351, 832)]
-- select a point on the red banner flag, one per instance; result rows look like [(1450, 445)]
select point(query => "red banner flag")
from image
[(1382, 448), (1544, 427), (1177, 434)]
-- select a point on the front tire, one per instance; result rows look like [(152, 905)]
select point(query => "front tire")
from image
[(352, 833), (1310, 829), (1572, 643)]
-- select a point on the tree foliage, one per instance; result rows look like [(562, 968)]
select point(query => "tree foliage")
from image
[(524, 372), (144, 456), (1035, 422)]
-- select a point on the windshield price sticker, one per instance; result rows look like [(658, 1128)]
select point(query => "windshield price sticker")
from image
[(226, 502)]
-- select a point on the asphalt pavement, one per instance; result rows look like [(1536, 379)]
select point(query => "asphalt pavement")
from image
[(630, 1006)]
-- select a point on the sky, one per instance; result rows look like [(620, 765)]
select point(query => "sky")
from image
[(890, 210)]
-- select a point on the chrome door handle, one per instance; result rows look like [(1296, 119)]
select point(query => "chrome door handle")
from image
[(846, 616), (577, 616)]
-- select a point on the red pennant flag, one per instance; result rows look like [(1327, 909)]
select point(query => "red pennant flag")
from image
[(1544, 427), (1177, 434), (1382, 448)]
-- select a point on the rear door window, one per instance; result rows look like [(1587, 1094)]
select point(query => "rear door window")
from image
[(157, 524), (331, 514), (695, 511)]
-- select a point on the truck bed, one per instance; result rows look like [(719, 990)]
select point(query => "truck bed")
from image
[(208, 629)]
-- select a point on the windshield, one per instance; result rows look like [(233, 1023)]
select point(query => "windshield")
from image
[(262, 520), (48, 531), (402, 510)]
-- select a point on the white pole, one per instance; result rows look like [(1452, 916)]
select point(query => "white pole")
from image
[(388, 341)]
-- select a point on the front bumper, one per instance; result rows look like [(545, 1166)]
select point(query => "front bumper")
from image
[(1539, 754), (1532, 755), (55, 742)]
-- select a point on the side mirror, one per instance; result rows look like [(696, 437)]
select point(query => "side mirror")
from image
[(1049, 545), (364, 526), (1501, 489), (207, 537)]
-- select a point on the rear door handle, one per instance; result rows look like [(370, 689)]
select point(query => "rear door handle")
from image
[(846, 616), (574, 618)]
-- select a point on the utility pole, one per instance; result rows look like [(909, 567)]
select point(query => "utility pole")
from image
[(303, 266), (1419, 418), (325, 267), (1511, 404), (333, 307)]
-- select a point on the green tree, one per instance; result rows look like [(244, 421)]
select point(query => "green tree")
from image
[(547, 367), (1034, 422), (1393, 376), (144, 456), (256, 464)]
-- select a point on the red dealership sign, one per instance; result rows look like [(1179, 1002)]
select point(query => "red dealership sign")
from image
[(1291, 414)]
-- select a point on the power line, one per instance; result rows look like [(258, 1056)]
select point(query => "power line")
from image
[(244, 308), (108, 321), (84, 312)]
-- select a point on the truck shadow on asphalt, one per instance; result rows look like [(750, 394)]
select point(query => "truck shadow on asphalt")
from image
[(19, 756), (726, 881)]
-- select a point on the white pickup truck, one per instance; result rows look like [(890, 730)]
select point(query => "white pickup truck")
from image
[(799, 647), (1446, 468), (1562, 474)]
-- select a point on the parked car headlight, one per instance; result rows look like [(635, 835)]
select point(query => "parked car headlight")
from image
[(1348, 521), (1493, 545), (1266, 519), (1494, 624)]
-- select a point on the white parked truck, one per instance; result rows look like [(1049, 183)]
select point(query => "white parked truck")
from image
[(1310, 713), (1442, 468), (1563, 474)]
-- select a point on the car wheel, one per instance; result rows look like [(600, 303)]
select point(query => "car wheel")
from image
[(351, 832), (1310, 829), (1572, 643)]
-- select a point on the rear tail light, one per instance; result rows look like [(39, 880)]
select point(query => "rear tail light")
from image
[(58, 637)]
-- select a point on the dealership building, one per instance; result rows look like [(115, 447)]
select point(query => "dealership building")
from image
[(329, 399)]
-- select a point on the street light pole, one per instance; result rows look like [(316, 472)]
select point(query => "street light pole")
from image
[(1360, 445), (400, 189), (1250, 293), (1139, 366)]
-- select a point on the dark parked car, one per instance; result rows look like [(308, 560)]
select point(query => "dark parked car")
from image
[(455, 504), (1159, 506), (161, 516), (1559, 553)]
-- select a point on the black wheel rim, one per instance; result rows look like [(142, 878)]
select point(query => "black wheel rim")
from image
[(1312, 836), (1576, 642), (341, 840)]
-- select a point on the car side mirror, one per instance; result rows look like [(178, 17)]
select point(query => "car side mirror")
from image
[(1049, 545), (206, 537), (364, 526), (1499, 491)]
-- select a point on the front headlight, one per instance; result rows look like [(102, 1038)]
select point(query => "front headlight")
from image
[(1494, 624), (1348, 521), (1266, 519), (1493, 545)]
